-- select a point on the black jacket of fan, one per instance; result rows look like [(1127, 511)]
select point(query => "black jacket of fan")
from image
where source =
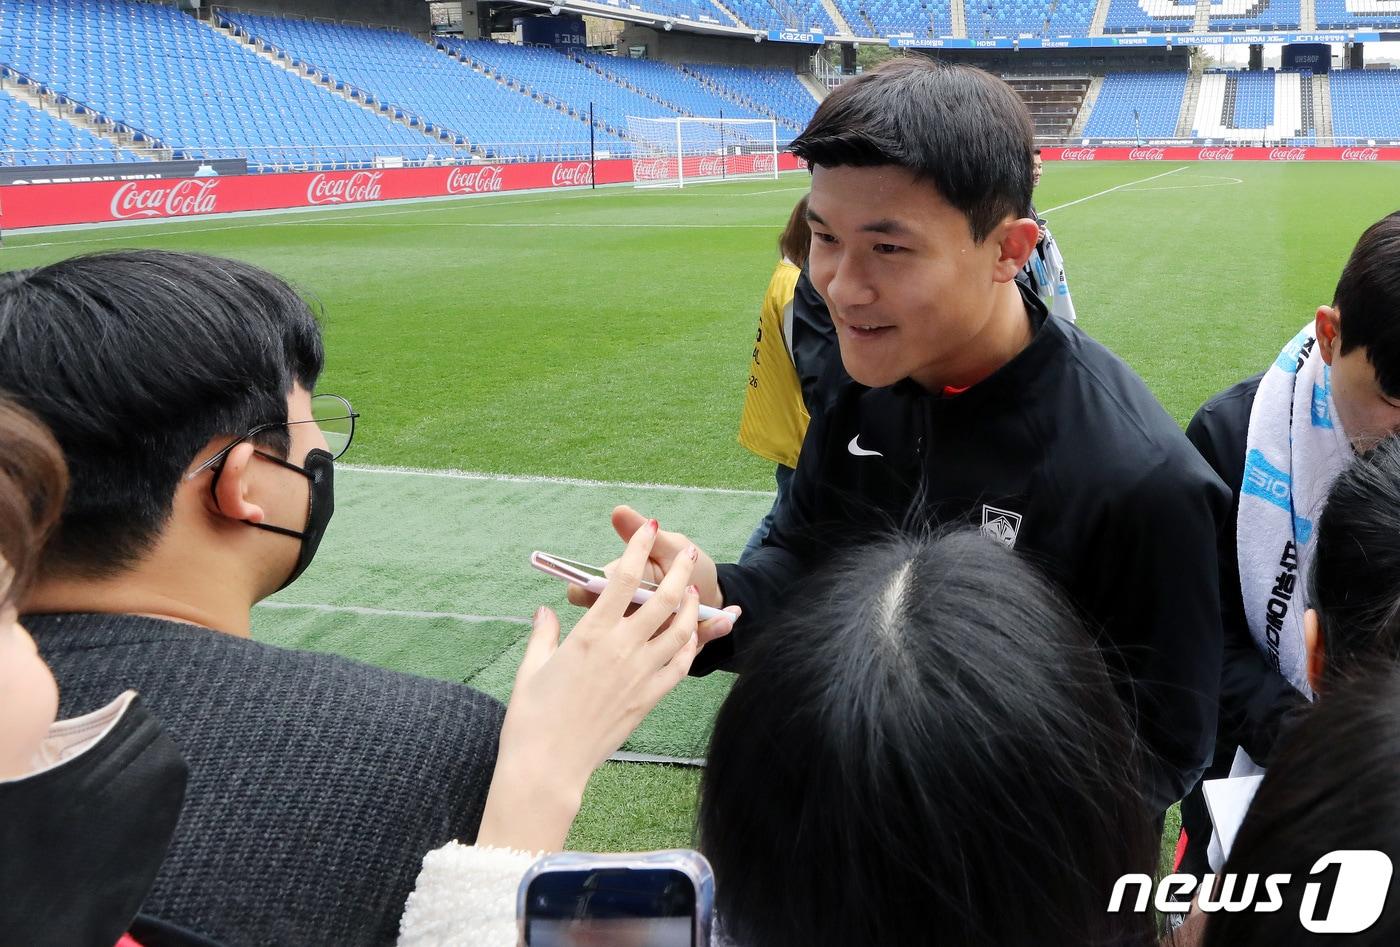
[(1063, 453)]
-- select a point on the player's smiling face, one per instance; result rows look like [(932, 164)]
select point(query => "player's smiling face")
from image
[(907, 286)]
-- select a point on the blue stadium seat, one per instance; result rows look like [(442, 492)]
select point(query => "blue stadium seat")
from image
[(410, 78), (1150, 16), (1366, 104), (1155, 97), (35, 137), (776, 92), (1262, 15), (176, 81), (1341, 15)]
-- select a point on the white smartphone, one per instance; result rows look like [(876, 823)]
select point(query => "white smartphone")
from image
[(645, 899), (594, 579)]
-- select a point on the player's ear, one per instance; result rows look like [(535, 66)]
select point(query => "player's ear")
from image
[(1316, 646), (1328, 329), (1015, 239)]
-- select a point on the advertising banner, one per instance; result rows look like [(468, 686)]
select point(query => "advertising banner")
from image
[(47, 205), (1220, 153)]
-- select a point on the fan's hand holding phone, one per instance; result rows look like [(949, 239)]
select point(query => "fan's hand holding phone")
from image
[(647, 899), (594, 579)]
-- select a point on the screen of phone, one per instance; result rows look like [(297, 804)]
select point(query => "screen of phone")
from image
[(620, 907)]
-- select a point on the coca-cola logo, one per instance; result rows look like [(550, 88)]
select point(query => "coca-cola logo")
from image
[(570, 175), (1288, 154), (474, 180), (343, 188), (1217, 154), (1147, 154), (763, 162), (652, 169), (711, 167), (1078, 154), (1361, 154), (164, 199)]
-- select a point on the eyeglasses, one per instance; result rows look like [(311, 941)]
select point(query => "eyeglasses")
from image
[(331, 413)]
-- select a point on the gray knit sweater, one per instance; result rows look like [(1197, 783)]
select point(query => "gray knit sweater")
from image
[(316, 784)]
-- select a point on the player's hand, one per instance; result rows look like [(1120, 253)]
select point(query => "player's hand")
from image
[(574, 703), (627, 521)]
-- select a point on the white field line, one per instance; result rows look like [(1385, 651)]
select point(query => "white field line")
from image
[(1219, 182), (1112, 189), (556, 481), (393, 612)]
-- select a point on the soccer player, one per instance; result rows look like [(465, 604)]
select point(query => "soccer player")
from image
[(958, 400), (1279, 439)]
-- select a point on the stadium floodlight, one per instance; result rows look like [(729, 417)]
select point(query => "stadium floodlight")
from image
[(674, 152)]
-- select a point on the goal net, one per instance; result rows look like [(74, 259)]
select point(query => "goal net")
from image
[(674, 152)]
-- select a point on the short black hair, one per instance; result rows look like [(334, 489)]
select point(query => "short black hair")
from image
[(928, 746), (961, 129), (1368, 299), (1355, 581), (135, 360), (1334, 785)]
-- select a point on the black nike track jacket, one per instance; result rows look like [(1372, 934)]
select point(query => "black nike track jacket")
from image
[(1062, 453)]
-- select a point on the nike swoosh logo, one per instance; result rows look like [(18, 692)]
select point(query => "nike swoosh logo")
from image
[(859, 451)]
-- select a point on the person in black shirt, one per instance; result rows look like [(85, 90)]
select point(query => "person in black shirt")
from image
[(1353, 349), (957, 401)]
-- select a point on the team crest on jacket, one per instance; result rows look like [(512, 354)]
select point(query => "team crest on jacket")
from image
[(1001, 525)]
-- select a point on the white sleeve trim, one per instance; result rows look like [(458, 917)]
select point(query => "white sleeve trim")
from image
[(465, 895)]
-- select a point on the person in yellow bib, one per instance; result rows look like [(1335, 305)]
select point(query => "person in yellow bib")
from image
[(775, 417)]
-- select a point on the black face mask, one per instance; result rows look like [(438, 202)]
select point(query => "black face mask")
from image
[(81, 841), (318, 468)]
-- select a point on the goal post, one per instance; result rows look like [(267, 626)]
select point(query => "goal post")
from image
[(681, 150)]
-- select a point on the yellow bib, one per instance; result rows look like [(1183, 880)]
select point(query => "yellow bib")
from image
[(774, 419)]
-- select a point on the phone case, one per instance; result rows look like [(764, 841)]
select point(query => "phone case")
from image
[(686, 861), (568, 570)]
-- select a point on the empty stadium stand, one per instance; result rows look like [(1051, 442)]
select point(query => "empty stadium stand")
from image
[(36, 137), (163, 74), (1154, 97), (1252, 106), (1366, 105), (558, 78), (1071, 17), (1259, 15), (762, 15), (1053, 102), (993, 19), (291, 93), (913, 18), (775, 92), (431, 90), (1150, 16), (1352, 14), (677, 89)]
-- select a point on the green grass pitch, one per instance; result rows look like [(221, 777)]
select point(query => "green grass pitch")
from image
[(539, 341)]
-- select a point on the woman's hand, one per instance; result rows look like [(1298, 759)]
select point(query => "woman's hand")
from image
[(575, 702)]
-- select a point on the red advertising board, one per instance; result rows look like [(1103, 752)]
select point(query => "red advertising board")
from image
[(1220, 153), (46, 205)]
